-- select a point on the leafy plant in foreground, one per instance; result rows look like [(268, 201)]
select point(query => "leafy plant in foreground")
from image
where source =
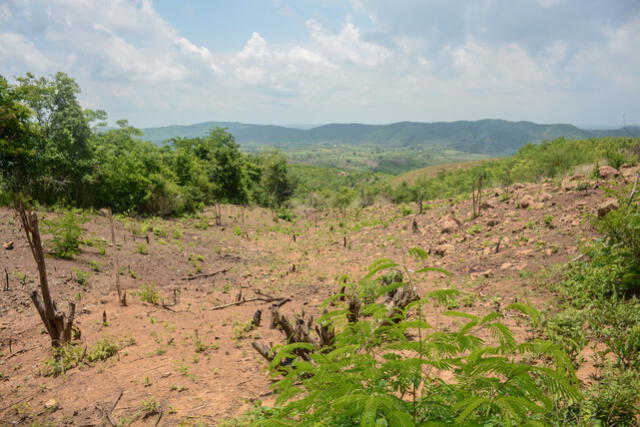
[(405, 372)]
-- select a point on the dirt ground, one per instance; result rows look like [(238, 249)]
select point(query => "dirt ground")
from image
[(188, 364)]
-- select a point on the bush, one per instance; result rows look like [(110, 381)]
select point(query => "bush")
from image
[(567, 330), (613, 400), (148, 293), (66, 235), (617, 325)]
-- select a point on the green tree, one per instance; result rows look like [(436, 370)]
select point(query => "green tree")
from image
[(18, 139), (275, 182), (62, 155)]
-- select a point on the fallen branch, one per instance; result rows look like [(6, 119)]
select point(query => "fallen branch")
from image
[(107, 415), (280, 302), (205, 275)]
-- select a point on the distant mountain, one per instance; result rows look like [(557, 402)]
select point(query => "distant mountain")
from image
[(490, 137)]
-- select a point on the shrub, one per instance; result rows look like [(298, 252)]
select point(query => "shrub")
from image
[(613, 400), (65, 232), (148, 293), (567, 330), (142, 249), (82, 278)]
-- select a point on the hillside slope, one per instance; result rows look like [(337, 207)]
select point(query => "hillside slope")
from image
[(490, 137), (503, 256)]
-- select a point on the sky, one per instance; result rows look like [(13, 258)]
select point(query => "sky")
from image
[(162, 62)]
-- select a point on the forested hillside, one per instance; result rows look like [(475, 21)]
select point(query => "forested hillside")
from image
[(491, 137)]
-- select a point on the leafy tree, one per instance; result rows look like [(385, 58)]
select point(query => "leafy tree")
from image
[(275, 184), (62, 154), (18, 140)]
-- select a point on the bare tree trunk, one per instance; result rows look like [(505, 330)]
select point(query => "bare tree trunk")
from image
[(58, 324), (476, 195), (122, 295)]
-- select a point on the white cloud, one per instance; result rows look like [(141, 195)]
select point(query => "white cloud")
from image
[(348, 45), (14, 46), (420, 60)]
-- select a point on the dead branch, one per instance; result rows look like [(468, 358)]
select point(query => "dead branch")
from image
[(263, 349), (281, 302), (205, 275), (58, 324)]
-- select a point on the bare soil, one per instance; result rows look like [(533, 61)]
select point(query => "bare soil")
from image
[(197, 363)]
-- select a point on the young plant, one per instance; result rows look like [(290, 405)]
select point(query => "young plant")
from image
[(148, 293), (66, 235), (398, 370)]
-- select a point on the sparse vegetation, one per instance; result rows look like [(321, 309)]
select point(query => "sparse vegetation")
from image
[(148, 293)]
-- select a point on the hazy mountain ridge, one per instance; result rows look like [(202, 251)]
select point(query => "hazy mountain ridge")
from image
[(489, 136)]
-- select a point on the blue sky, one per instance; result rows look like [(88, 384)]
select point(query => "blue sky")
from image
[(317, 61)]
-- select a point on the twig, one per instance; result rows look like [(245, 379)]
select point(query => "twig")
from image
[(24, 350), (159, 418), (205, 275), (117, 400)]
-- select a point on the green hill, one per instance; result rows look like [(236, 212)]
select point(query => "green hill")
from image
[(489, 137)]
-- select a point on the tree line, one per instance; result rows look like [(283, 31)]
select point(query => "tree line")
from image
[(54, 152)]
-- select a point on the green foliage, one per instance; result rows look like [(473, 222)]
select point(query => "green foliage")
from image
[(567, 329), (148, 293), (142, 249), (50, 153), (531, 163), (613, 399), (617, 325), (69, 356), (149, 408), (103, 349), (374, 374), (66, 233), (601, 293), (95, 265), (82, 278)]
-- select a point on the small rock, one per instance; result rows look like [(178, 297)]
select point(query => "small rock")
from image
[(8, 246), (607, 172), (51, 405), (525, 201), (506, 266), (607, 206)]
